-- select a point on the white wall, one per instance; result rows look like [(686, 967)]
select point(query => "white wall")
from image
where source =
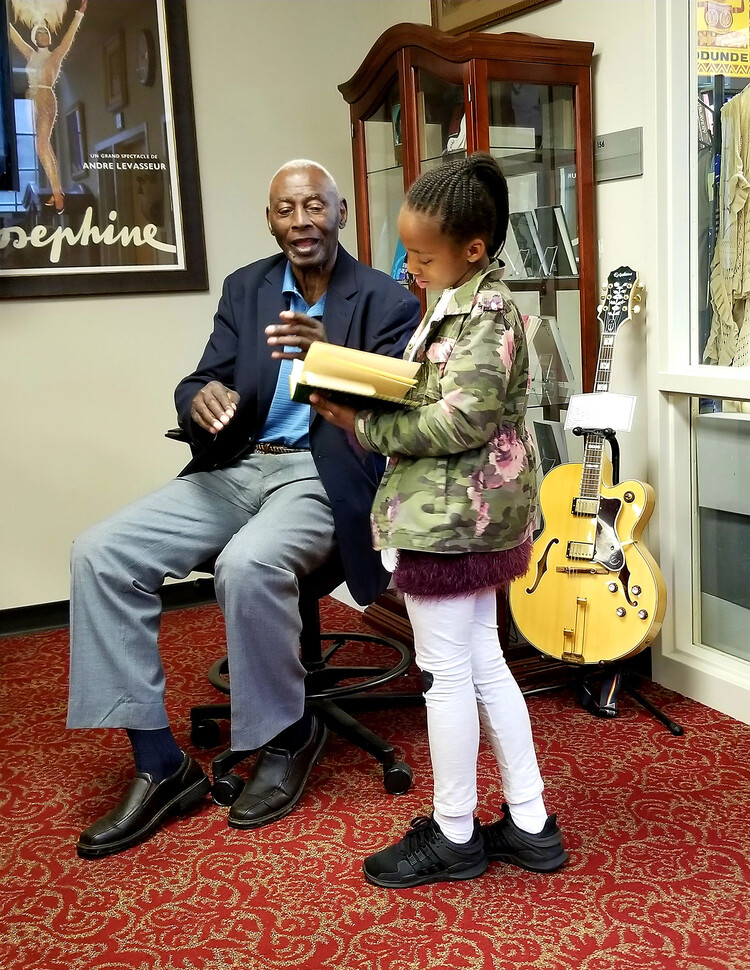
[(88, 382)]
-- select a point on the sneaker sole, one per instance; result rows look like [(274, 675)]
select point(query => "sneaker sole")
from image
[(180, 805), (470, 873), (547, 866)]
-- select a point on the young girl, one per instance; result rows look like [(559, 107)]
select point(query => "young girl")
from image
[(455, 511)]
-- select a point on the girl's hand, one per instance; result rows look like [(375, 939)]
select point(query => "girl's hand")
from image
[(339, 414)]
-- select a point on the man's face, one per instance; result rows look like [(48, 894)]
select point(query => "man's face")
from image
[(304, 215)]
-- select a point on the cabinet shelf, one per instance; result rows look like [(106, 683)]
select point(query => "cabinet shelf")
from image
[(385, 169), (534, 284)]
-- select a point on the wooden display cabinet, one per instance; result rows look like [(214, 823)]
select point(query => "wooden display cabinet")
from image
[(422, 97)]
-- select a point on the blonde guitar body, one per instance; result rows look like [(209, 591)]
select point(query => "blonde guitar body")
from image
[(592, 594)]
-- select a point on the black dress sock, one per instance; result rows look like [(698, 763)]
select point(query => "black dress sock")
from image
[(156, 752), (295, 736)]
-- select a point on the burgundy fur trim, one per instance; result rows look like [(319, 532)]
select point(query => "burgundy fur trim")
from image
[(426, 574)]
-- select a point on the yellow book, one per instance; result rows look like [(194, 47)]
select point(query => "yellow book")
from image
[(352, 376)]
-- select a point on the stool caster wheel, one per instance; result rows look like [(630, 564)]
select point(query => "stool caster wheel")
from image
[(397, 778), (227, 789), (205, 734)]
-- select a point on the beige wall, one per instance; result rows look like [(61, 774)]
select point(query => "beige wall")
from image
[(88, 382), (91, 380)]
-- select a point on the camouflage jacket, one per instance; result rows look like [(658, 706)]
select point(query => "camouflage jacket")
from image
[(462, 472)]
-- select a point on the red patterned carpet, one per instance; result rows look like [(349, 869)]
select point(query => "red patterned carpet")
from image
[(657, 829)]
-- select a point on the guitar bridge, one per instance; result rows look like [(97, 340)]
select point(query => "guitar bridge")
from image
[(588, 570), (580, 550), (585, 506)]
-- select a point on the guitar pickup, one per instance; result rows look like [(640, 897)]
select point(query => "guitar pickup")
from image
[(585, 506), (580, 550)]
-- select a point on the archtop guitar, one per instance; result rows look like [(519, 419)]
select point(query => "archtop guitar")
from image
[(593, 593)]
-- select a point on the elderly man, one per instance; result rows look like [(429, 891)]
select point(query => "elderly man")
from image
[(271, 491)]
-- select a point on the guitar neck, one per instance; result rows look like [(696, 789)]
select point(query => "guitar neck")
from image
[(593, 460), (620, 296)]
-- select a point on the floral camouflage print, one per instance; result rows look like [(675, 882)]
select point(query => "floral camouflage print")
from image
[(462, 473)]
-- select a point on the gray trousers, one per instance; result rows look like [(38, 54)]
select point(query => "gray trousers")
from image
[(269, 519)]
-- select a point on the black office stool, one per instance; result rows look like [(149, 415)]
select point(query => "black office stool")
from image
[(332, 690)]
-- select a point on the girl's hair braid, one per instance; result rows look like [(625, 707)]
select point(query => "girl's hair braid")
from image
[(470, 197)]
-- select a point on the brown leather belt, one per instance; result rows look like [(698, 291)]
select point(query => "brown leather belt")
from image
[(267, 448)]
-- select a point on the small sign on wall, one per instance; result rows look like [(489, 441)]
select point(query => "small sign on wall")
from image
[(618, 155)]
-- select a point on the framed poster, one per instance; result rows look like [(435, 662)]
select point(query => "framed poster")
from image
[(458, 16), (109, 198)]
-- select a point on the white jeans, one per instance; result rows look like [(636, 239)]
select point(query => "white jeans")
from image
[(456, 641)]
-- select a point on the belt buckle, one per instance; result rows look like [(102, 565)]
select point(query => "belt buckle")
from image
[(269, 448)]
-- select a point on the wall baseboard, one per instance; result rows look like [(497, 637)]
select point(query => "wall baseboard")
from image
[(53, 616), (174, 596)]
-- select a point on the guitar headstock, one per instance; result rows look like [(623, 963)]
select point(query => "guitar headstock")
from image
[(621, 299)]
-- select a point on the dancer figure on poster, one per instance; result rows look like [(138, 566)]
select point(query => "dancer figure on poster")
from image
[(42, 70)]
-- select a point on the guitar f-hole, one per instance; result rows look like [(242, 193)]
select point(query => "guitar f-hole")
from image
[(541, 566)]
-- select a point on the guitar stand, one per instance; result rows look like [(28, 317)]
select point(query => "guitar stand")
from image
[(599, 697)]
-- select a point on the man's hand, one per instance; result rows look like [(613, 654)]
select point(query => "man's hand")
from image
[(339, 414), (214, 406), (295, 330)]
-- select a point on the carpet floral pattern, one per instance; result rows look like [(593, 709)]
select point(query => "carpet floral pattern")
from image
[(657, 829)]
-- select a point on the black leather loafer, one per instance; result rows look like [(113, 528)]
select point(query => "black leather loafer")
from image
[(143, 809), (277, 782)]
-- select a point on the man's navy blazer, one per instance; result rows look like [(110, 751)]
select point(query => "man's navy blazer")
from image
[(364, 309)]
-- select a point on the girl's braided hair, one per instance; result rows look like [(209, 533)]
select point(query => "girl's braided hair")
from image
[(469, 196)]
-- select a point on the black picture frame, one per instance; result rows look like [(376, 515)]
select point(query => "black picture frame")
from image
[(179, 198)]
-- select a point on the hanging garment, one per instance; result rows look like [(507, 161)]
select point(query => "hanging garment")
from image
[(730, 269)]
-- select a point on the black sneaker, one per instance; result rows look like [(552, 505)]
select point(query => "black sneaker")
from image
[(425, 855), (505, 842)]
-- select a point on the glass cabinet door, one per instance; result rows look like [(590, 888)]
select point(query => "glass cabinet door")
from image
[(532, 134), (385, 180), (442, 126), (441, 116)]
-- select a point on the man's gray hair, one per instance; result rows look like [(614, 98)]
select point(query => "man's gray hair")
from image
[(306, 163)]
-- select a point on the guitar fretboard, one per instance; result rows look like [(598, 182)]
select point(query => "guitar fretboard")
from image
[(614, 312)]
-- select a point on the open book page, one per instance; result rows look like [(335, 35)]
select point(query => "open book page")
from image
[(353, 376)]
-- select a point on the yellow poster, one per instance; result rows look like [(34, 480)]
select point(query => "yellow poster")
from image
[(724, 37)]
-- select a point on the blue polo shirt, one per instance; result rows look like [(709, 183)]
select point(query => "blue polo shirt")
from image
[(288, 422)]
